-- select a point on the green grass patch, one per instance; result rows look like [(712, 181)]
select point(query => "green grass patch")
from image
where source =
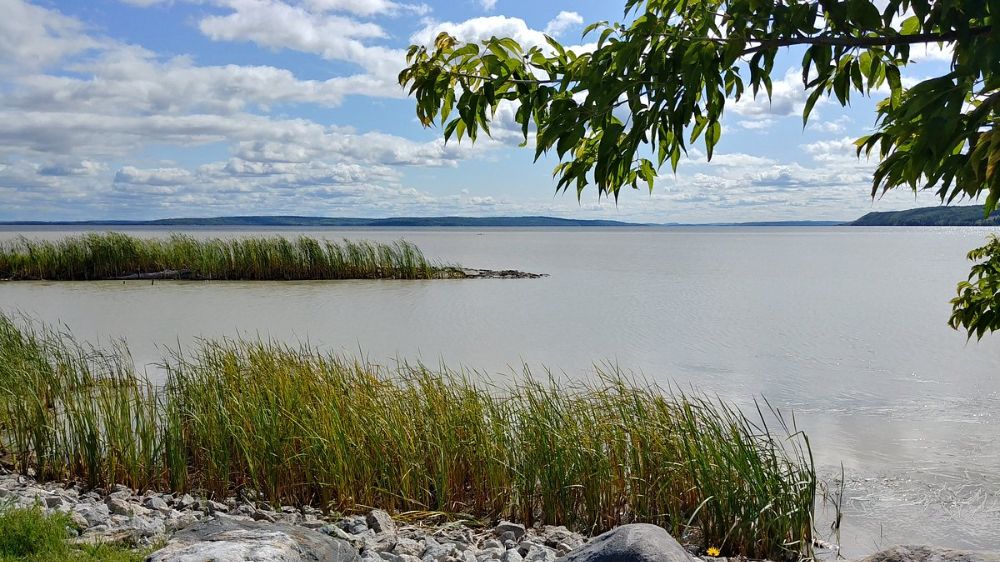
[(29, 535), (112, 255), (302, 427)]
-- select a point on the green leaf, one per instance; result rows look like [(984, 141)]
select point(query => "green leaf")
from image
[(810, 102)]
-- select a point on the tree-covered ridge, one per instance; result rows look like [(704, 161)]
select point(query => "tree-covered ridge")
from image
[(287, 220), (972, 215)]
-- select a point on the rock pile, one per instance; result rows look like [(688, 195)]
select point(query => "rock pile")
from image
[(200, 529)]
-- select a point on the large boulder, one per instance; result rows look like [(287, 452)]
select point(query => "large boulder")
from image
[(930, 554), (638, 542), (228, 540)]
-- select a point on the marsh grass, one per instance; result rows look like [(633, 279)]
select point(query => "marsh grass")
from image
[(27, 534), (111, 255), (300, 427)]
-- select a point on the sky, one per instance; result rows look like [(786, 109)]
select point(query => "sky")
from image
[(145, 109)]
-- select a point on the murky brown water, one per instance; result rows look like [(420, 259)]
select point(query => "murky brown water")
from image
[(846, 326)]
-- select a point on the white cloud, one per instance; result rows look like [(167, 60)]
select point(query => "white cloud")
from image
[(277, 25), (563, 22), (157, 176), (366, 8), (756, 124), (32, 37), (788, 97), (133, 79), (488, 5), (832, 150), (480, 29)]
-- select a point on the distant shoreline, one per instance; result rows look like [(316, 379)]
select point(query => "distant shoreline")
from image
[(394, 222), (970, 215)]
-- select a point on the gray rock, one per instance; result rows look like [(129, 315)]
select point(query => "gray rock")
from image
[(265, 515), (408, 547), (638, 542), (54, 502), (439, 552), (526, 545), (186, 501), (252, 541), (911, 553), (78, 520), (490, 553), (95, 514), (156, 503), (512, 556), (540, 554), (491, 543), (213, 506), (147, 527), (180, 521), (393, 557), (380, 522), (505, 527), (118, 506)]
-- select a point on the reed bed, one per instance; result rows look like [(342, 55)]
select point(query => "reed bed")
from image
[(294, 426), (113, 255)]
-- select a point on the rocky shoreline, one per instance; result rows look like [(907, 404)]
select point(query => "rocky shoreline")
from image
[(124, 516), (184, 528)]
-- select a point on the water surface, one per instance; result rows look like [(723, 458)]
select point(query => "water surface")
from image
[(845, 326)]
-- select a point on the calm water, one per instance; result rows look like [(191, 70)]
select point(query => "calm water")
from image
[(845, 326)]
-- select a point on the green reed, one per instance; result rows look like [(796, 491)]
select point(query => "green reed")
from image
[(111, 255), (297, 426)]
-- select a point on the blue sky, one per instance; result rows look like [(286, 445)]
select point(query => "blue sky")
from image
[(139, 109)]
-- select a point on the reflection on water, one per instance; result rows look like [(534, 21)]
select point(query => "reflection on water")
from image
[(844, 326)]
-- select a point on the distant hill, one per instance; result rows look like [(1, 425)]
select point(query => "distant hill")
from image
[(531, 221), (931, 216), (764, 223)]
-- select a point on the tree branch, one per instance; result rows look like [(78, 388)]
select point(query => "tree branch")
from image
[(872, 41)]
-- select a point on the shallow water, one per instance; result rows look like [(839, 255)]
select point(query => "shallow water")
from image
[(844, 326)]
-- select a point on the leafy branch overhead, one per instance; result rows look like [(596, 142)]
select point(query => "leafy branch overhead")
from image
[(644, 91), (650, 88)]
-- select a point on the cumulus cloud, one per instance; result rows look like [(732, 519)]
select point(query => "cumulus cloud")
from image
[(366, 8), (833, 150), (33, 37), (788, 97), (488, 5), (479, 29), (131, 78), (563, 22)]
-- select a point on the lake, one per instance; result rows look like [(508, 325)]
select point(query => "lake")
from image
[(844, 326)]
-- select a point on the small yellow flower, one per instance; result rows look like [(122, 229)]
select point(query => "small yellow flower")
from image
[(712, 551)]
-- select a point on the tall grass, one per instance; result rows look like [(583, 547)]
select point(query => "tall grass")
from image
[(111, 255), (301, 427)]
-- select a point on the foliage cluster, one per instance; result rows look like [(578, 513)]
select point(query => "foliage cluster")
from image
[(294, 426), (110, 255), (977, 306)]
